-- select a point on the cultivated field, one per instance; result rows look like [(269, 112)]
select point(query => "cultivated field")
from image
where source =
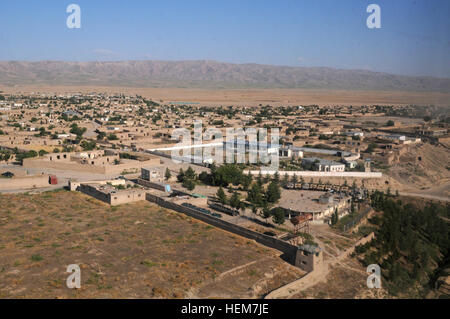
[(131, 251)]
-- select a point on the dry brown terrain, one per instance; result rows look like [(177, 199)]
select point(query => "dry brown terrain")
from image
[(346, 280), (423, 169), (254, 97), (131, 251)]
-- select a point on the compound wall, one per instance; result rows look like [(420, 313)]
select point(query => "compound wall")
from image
[(289, 250)]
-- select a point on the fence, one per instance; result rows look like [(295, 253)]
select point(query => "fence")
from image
[(356, 220)]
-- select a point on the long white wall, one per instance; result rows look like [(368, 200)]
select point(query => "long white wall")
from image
[(184, 147)]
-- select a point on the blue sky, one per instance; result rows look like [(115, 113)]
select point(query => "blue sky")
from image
[(414, 38)]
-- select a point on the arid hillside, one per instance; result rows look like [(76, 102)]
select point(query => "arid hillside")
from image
[(424, 169), (209, 74)]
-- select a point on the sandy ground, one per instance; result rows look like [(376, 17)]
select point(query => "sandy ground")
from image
[(249, 97), (427, 177), (136, 250)]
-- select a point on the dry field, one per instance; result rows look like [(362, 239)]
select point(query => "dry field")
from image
[(254, 97), (131, 251)]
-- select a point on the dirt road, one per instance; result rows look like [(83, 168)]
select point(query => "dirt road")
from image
[(426, 196)]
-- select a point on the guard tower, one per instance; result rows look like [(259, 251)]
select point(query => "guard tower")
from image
[(309, 257), (367, 165), (301, 222)]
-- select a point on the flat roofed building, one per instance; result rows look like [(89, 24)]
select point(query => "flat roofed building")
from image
[(113, 194), (323, 165), (320, 204), (153, 174)]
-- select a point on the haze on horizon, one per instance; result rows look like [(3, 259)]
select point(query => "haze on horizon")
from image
[(414, 38)]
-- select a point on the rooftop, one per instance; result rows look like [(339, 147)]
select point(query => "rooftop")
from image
[(304, 201), (321, 161), (310, 248)]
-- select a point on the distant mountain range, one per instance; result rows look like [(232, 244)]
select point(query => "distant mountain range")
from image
[(208, 74)]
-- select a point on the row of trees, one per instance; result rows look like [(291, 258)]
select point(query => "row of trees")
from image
[(260, 197), (225, 175)]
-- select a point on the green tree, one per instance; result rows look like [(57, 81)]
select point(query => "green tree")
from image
[(227, 174), (273, 193), (266, 213), (235, 200), (167, 174), (246, 181), (88, 145), (294, 179), (259, 179), (190, 174), (42, 152), (112, 137), (276, 177), (278, 216), (352, 208), (100, 135), (78, 131), (221, 196), (189, 184), (255, 195), (335, 217), (180, 176), (285, 180)]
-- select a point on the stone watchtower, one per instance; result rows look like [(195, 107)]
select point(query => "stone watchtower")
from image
[(309, 257), (367, 165)]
